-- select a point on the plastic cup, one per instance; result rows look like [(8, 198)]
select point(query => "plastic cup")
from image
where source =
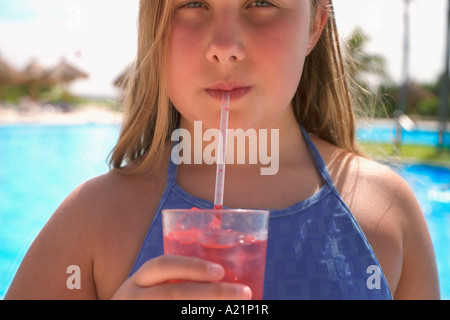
[(233, 238)]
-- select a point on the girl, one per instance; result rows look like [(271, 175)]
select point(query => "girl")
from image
[(341, 226)]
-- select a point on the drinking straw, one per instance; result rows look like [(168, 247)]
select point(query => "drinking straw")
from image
[(222, 151)]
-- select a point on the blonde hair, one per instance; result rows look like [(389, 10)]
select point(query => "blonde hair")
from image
[(322, 103)]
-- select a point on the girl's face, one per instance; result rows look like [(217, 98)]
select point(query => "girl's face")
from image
[(253, 49)]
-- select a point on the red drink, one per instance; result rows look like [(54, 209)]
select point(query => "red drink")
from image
[(243, 257)]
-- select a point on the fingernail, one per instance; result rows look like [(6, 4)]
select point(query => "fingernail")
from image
[(245, 293), (215, 270)]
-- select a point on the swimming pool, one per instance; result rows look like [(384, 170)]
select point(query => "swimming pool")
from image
[(40, 165)]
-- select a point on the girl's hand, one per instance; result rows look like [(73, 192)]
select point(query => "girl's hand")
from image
[(197, 281)]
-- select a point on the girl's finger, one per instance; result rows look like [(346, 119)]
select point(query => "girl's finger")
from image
[(194, 291), (167, 267)]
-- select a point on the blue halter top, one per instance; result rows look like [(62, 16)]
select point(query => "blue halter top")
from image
[(315, 248)]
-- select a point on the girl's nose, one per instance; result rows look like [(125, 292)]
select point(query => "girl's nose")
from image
[(225, 45)]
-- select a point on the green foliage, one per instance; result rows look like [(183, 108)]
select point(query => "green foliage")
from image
[(386, 102), (407, 152), (55, 95), (429, 107), (13, 94)]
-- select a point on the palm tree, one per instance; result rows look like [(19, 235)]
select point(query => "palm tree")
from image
[(362, 64), (443, 113), (364, 70), (403, 100)]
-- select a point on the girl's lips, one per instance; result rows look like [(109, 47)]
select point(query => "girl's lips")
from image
[(235, 93)]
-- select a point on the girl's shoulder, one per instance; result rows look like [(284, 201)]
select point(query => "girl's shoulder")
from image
[(361, 178), (120, 192), (117, 203), (118, 189)]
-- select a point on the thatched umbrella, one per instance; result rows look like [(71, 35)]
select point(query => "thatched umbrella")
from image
[(8, 74), (65, 73), (62, 75)]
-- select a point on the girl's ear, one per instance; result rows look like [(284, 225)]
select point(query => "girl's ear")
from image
[(321, 14)]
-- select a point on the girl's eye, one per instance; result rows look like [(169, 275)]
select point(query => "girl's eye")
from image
[(260, 4), (192, 5)]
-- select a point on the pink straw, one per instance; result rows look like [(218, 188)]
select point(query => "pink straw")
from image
[(222, 151)]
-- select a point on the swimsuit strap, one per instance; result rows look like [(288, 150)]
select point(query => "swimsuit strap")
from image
[(172, 173), (318, 161)]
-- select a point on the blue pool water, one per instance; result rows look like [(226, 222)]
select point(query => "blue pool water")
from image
[(40, 165), (386, 135)]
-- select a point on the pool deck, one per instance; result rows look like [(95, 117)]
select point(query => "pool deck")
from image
[(52, 116)]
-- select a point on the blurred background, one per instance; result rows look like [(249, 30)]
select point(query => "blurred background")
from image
[(61, 68)]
